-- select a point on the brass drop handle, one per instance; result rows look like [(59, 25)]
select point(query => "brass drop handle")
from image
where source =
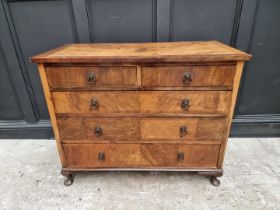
[(185, 104), (91, 77), (187, 78), (98, 131), (94, 104), (183, 131), (180, 156), (101, 156)]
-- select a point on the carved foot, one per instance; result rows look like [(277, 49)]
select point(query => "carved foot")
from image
[(69, 180), (213, 176), (214, 181)]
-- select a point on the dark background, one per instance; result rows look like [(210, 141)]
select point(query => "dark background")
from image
[(31, 27)]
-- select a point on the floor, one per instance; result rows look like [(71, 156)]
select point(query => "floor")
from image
[(30, 179)]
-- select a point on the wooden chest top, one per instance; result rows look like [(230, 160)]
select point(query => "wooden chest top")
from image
[(142, 53)]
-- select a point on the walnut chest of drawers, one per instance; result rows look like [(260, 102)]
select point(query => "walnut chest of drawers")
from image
[(149, 106)]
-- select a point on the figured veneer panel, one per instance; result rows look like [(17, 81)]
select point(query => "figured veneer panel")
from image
[(140, 155), (113, 129), (142, 101), (141, 129), (71, 128), (78, 76), (196, 129), (201, 76)]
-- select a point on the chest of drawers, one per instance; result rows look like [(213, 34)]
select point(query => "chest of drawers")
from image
[(149, 106)]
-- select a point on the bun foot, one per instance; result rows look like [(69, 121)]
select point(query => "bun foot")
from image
[(69, 180), (214, 181)]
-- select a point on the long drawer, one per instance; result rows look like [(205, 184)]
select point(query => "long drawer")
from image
[(142, 102), (140, 155), (143, 129)]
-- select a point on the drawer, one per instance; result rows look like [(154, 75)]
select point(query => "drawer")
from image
[(141, 155), (143, 129), (141, 102), (185, 76), (91, 76)]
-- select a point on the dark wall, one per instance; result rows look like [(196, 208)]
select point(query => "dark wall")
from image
[(31, 27)]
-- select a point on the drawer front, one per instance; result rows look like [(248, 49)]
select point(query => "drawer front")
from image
[(112, 129), (145, 129), (185, 76), (182, 129), (142, 102), (91, 76), (140, 155)]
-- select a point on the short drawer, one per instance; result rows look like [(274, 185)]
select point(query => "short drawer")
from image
[(141, 102), (141, 129), (91, 76), (188, 76), (141, 155)]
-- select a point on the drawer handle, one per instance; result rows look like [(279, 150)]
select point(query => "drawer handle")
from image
[(185, 104), (101, 156), (180, 156), (94, 104), (91, 78), (183, 131), (98, 131), (187, 78)]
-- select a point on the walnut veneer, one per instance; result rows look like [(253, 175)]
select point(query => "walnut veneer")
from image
[(149, 106)]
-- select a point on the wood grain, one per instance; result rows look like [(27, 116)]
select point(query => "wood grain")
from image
[(77, 77), (141, 129), (237, 78), (203, 171), (169, 129), (113, 129), (141, 101), (129, 141), (49, 101), (143, 53), (140, 155), (105, 88), (202, 76), (144, 115)]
